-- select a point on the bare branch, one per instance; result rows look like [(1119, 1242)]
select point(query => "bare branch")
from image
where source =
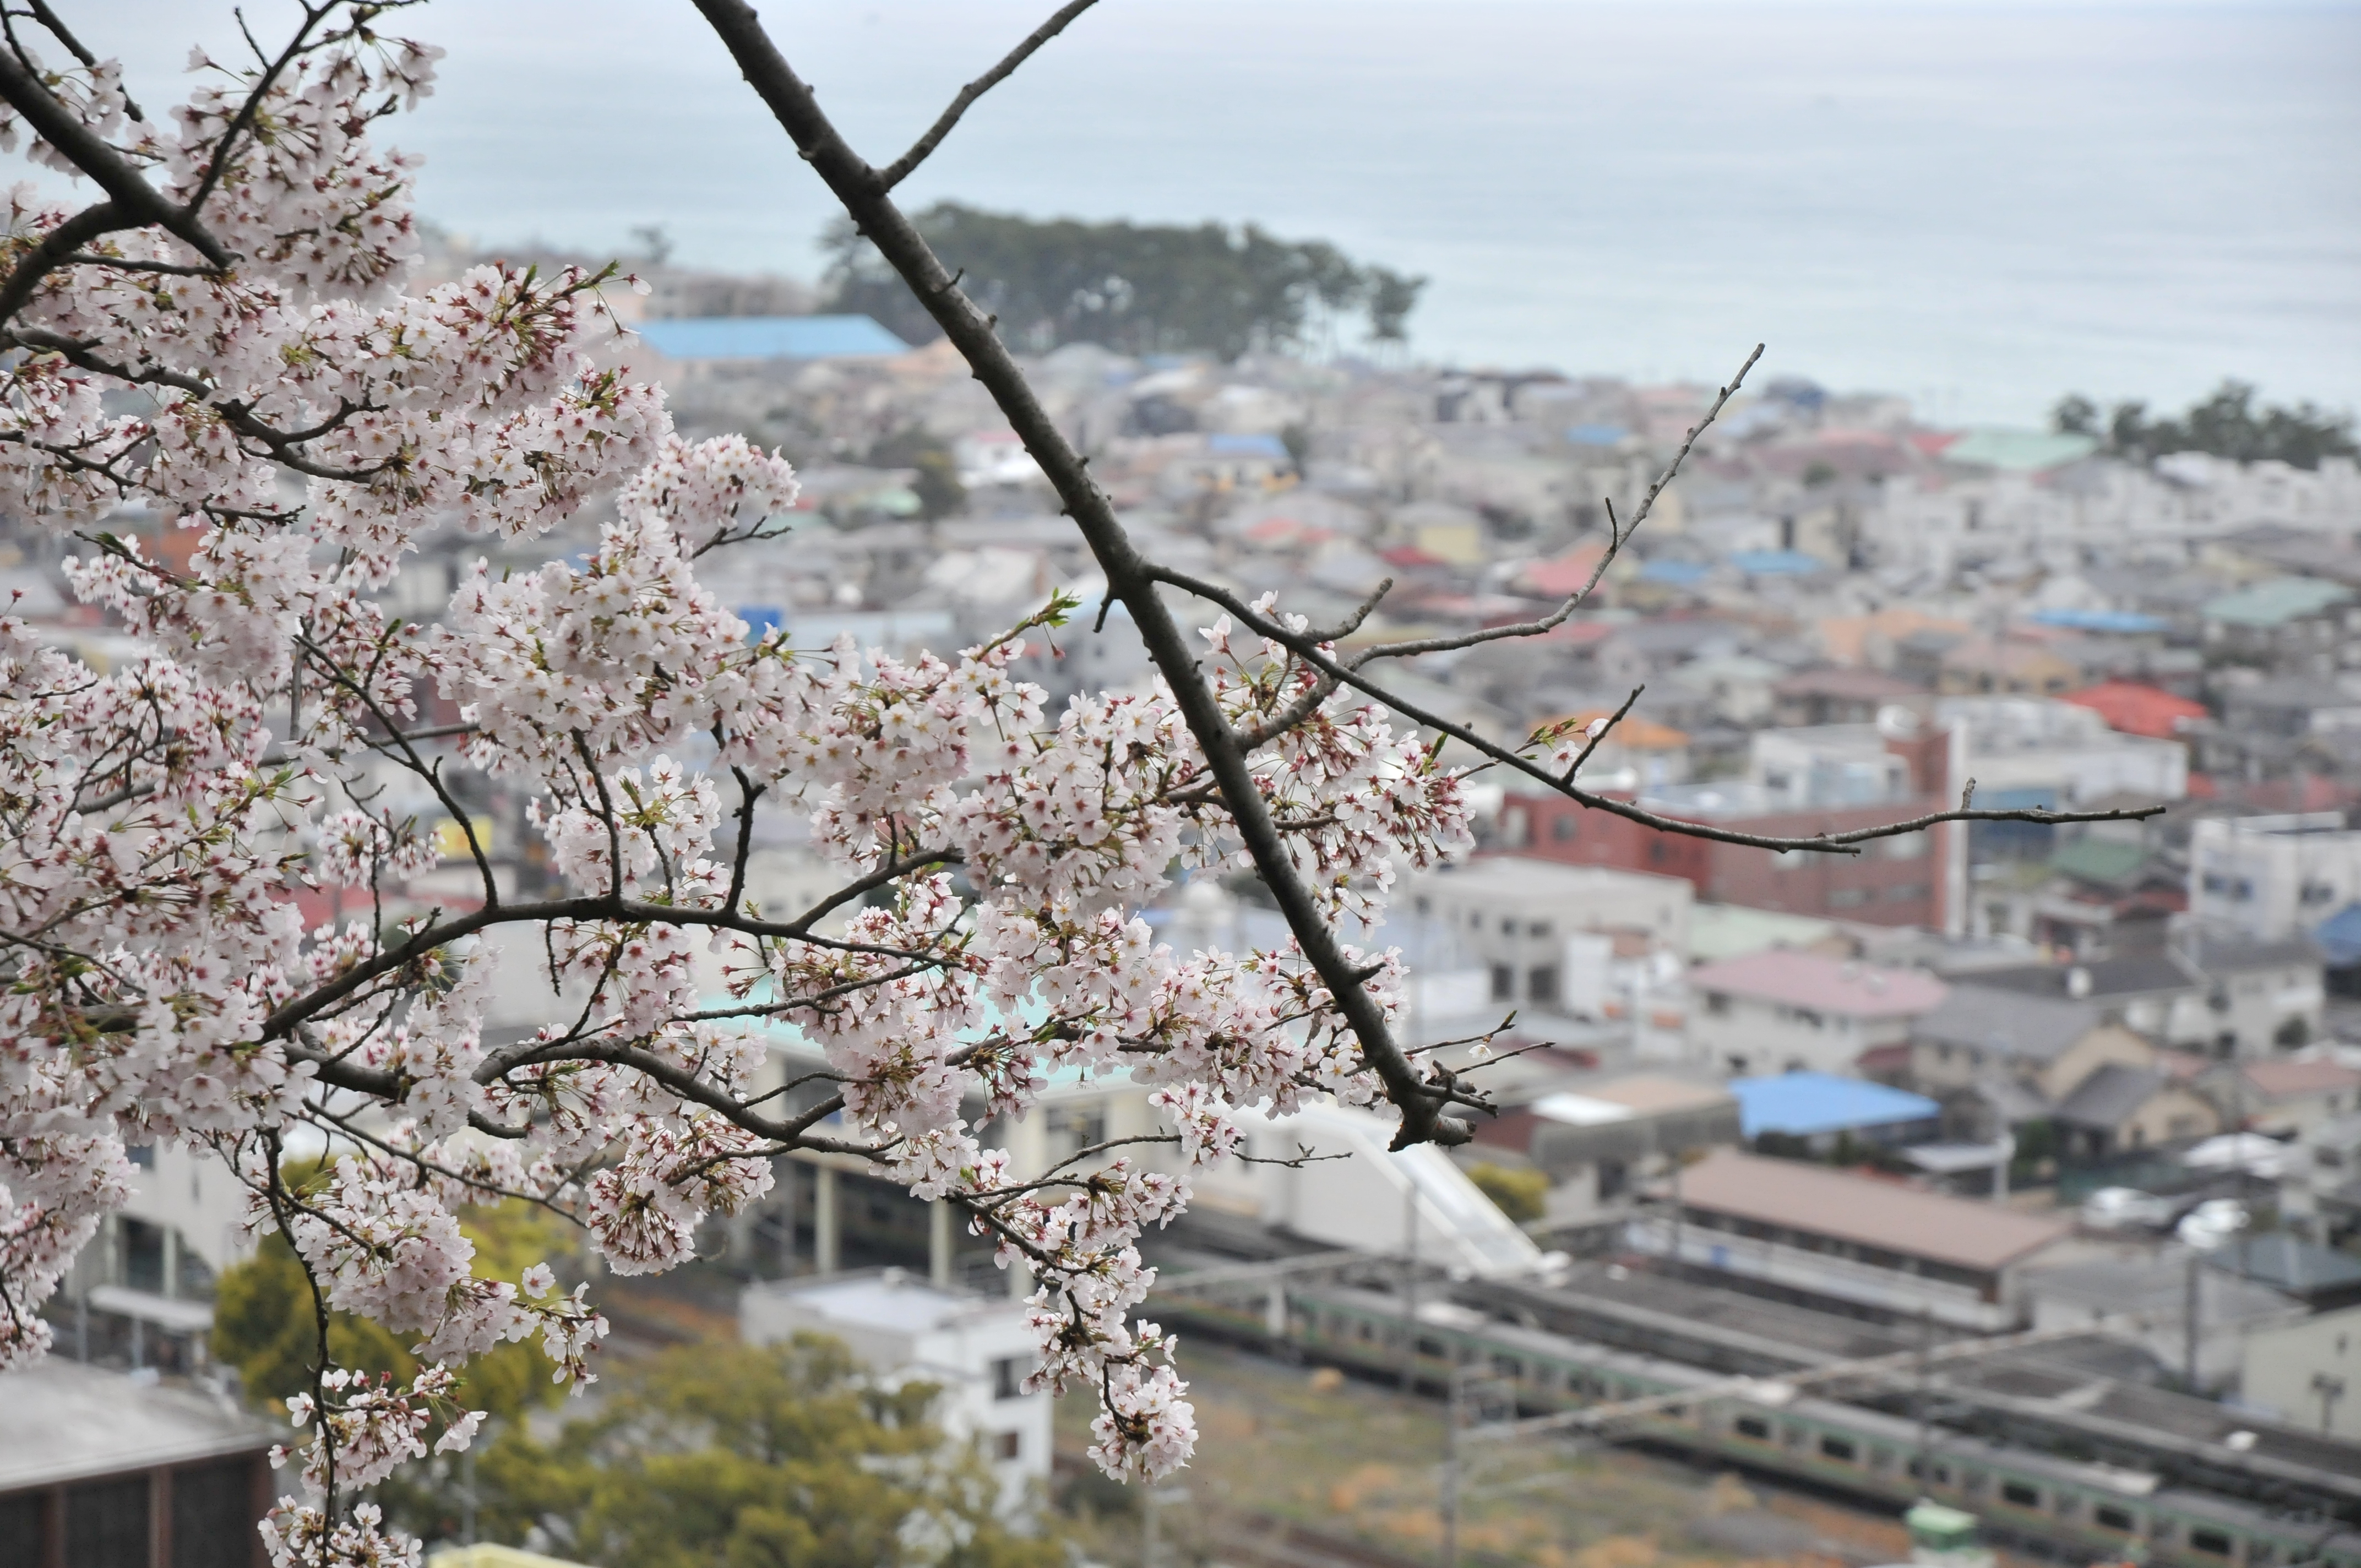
[(1619, 535), (1837, 843), (894, 173)]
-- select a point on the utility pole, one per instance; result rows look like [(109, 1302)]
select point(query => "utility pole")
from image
[(1922, 1399), (1152, 1510), (1410, 1284), (2331, 1388), (467, 1492), (1677, 1214), (2189, 1312), (1454, 1413)]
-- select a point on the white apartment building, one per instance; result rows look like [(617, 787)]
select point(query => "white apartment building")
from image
[(2062, 516), (2021, 748), (1550, 936), (1777, 1011), (978, 1351), (2271, 877)]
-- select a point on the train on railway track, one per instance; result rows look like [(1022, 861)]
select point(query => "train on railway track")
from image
[(2047, 1507)]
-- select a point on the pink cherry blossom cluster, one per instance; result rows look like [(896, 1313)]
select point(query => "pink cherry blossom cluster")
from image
[(309, 422)]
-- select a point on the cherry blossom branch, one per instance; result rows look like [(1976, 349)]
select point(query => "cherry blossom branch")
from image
[(1129, 575), (136, 203), (43, 13), (894, 173)]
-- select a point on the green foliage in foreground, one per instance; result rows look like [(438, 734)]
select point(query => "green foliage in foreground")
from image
[(264, 1323), (2226, 425), (1134, 288), (1523, 1195), (773, 1457)]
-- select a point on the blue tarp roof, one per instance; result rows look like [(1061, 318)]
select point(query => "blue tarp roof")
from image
[(2097, 621), (1596, 435), (770, 337), (2339, 936), (1778, 563), (1247, 446), (1803, 1103), (1680, 573)]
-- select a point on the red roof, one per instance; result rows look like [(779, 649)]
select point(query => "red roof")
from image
[(1822, 983), (1407, 556), (2136, 709), (1564, 573), (2288, 1080)]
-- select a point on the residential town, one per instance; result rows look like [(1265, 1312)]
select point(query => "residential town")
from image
[(1758, 1112)]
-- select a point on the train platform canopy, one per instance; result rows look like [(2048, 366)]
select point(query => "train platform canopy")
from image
[(67, 1421), (1812, 1199)]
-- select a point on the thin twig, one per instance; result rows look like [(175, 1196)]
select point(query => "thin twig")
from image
[(894, 173)]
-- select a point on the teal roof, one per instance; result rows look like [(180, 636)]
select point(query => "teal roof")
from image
[(770, 337), (2108, 861), (2278, 601), (2022, 451), (788, 1036)]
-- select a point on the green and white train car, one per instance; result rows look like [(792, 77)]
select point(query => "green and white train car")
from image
[(2043, 1504)]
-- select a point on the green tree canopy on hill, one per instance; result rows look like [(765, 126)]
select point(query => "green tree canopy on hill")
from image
[(780, 1457), (1135, 288), (2226, 425)]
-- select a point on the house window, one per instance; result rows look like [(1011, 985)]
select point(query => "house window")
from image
[(1008, 1445), (1716, 1004), (1541, 985), (1562, 829), (1504, 983), (1848, 898), (1905, 846), (2021, 1494), (1837, 1448), (2209, 1541), (1008, 1376)]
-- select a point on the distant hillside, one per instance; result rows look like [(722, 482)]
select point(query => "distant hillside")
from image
[(1136, 289)]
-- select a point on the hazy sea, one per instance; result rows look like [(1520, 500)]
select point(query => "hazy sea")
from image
[(1979, 205)]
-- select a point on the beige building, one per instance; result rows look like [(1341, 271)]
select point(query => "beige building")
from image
[(2055, 1045), (2119, 1107), (2309, 1372), (1858, 1239)]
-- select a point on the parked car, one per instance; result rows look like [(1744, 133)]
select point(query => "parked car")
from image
[(2212, 1223), (2128, 1208)]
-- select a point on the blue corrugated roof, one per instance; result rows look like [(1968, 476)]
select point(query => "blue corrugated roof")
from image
[(1679, 573), (1803, 1103), (1247, 446), (2339, 936), (770, 337), (1776, 563), (1596, 435), (2122, 620)]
